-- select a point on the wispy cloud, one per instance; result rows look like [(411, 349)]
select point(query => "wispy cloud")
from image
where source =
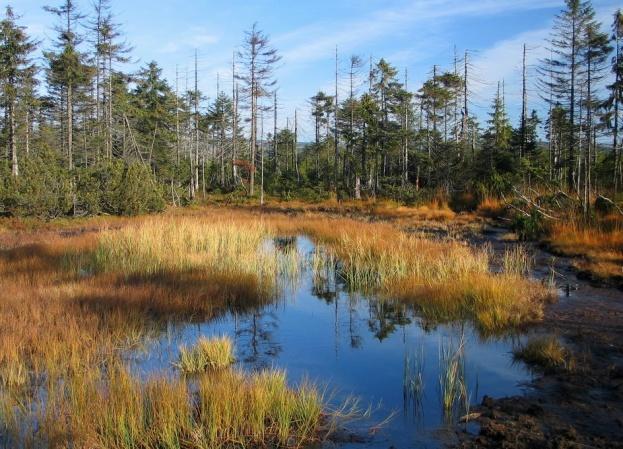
[(316, 41), (194, 37), (502, 62)]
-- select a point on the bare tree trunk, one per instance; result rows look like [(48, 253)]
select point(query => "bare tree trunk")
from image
[(196, 168), (524, 106), (405, 160), (70, 126), (615, 134), (177, 117), (295, 149), (275, 155), (12, 144), (571, 155), (254, 94), (234, 124), (262, 160), (110, 120), (335, 131)]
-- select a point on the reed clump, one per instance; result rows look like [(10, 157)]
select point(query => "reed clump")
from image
[(116, 410), (517, 261), (452, 383), (207, 354), (546, 353), (183, 244)]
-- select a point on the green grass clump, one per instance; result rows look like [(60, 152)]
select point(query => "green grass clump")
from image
[(452, 382), (206, 354), (517, 261), (547, 353)]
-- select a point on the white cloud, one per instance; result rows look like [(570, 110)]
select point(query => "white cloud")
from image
[(391, 21), (503, 62), (193, 38)]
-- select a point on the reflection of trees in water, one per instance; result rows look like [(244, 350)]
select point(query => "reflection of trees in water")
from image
[(355, 339), (385, 317), (328, 286), (324, 283), (255, 338)]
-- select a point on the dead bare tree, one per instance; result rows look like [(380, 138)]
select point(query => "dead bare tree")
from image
[(258, 59)]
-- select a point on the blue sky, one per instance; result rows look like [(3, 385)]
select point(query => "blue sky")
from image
[(411, 34)]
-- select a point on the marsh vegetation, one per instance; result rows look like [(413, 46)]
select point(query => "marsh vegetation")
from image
[(78, 306)]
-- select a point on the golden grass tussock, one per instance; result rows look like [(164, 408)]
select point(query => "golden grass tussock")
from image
[(547, 353), (207, 354), (182, 244), (225, 409), (599, 247)]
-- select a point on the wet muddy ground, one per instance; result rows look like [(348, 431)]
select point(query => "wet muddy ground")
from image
[(582, 408)]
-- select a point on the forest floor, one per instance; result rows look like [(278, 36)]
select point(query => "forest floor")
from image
[(562, 408)]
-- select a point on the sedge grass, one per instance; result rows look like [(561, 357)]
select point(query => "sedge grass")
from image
[(446, 280), (452, 383), (517, 261), (73, 304), (546, 353), (598, 247), (207, 354)]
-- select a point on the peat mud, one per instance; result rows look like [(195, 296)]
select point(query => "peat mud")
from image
[(576, 407)]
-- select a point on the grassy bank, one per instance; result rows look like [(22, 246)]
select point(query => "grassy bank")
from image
[(74, 302), (444, 279), (597, 247)]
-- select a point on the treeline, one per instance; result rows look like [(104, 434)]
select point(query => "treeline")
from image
[(84, 137)]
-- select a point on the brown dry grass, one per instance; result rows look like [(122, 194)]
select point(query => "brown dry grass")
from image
[(64, 328), (599, 247), (66, 318)]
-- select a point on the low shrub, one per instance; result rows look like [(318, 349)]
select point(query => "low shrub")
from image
[(529, 227)]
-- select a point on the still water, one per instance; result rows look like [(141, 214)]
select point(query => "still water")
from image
[(354, 345)]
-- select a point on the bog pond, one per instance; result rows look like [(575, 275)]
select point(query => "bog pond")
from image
[(417, 378)]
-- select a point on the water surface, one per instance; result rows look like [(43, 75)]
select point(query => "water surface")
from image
[(356, 345)]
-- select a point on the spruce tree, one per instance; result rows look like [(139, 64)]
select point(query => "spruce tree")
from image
[(561, 73), (67, 68), (16, 73)]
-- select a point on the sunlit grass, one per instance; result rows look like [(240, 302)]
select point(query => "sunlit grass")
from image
[(446, 280), (120, 411), (182, 244), (599, 247), (547, 353), (74, 304), (207, 354), (516, 261)]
